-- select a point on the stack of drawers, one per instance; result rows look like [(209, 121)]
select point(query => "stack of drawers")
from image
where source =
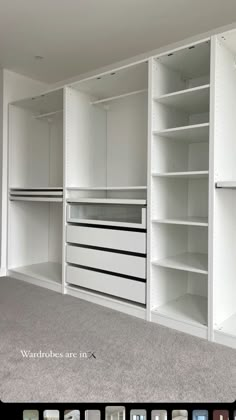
[(107, 260)]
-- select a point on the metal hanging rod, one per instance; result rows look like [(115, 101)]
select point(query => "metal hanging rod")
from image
[(112, 98)]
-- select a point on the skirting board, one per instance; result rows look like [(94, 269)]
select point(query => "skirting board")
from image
[(201, 331), (3, 272), (37, 282), (225, 339), (106, 301)]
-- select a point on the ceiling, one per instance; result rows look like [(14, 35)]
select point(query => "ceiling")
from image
[(76, 36)]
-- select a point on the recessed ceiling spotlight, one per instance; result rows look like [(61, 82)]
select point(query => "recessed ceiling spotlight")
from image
[(112, 74), (38, 57)]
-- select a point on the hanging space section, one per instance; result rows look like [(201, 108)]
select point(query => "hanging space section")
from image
[(179, 189), (106, 189), (36, 190), (224, 229)]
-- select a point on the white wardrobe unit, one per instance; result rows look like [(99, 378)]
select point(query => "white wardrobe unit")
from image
[(179, 187), (35, 209), (122, 189), (106, 188)]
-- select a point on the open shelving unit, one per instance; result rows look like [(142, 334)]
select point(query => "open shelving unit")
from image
[(36, 189), (179, 189)]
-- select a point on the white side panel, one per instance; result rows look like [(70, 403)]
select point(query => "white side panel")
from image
[(28, 233), (127, 141), (55, 232), (56, 153), (86, 141), (224, 261), (28, 149)]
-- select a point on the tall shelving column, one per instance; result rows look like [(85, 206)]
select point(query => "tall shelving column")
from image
[(179, 165)]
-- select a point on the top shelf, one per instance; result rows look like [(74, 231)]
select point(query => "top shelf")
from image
[(192, 100), (190, 62), (42, 105)]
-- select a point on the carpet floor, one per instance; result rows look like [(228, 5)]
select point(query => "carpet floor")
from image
[(136, 361)]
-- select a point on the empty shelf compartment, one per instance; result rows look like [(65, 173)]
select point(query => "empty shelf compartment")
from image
[(189, 100), (189, 261), (46, 271), (190, 309)]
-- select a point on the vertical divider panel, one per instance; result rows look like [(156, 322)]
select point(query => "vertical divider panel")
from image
[(149, 190), (211, 194), (66, 125)]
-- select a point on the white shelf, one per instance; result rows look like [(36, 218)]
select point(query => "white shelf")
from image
[(28, 193), (226, 185), (192, 262), (191, 133), (186, 174), (189, 309), (44, 199), (108, 201), (36, 189), (130, 188), (188, 221), (193, 100), (46, 271), (48, 194), (229, 326)]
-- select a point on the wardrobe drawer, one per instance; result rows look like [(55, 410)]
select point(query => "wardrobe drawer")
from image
[(106, 283), (107, 238), (109, 261)]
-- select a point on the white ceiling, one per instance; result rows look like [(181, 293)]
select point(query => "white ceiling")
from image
[(76, 36)]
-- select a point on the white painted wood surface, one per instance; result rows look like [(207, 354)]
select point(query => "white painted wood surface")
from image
[(109, 261), (107, 238), (113, 285)]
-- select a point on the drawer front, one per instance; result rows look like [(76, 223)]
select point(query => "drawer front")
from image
[(107, 238), (128, 265), (113, 285)]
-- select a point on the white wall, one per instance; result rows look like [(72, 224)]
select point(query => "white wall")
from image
[(13, 86)]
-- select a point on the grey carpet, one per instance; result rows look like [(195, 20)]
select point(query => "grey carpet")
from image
[(135, 360)]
